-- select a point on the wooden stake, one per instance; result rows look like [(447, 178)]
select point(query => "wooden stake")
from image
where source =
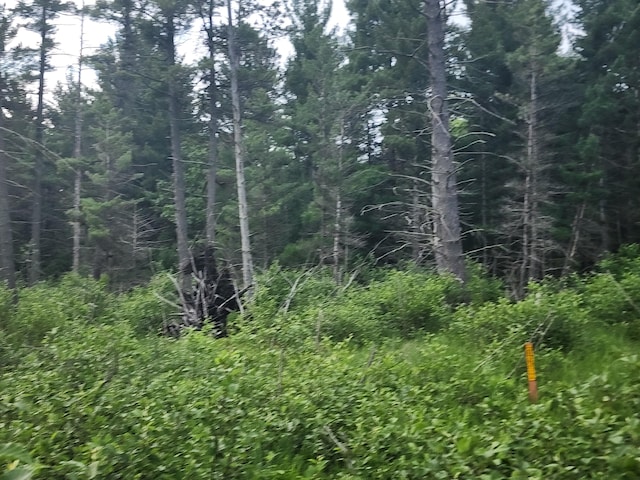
[(531, 372)]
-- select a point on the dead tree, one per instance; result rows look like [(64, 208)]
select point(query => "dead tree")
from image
[(212, 296)]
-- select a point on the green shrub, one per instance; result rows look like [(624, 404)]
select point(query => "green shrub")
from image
[(143, 307), (549, 318), (625, 260), (401, 304), (409, 302), (101, 402), (71, 301), (6, 306), (613, 300)]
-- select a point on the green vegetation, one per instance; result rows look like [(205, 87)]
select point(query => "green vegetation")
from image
[(400, 375)]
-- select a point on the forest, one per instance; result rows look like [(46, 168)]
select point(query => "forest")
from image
[(325, 157), (375, 222)]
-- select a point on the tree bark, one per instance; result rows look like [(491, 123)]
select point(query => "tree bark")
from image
[(213, 132), (247, 261), (337, 225), (176, 153), (77, 154), (415, 234), (446, 221), (36, 213), (576, 227), (336, 238), (533, 162), (7, 263)]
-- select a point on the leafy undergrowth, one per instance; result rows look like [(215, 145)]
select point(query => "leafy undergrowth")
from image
[(99, 402), (87, 395)]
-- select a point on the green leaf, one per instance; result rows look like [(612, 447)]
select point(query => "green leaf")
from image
[(463, 444), (13, 451), (20, 473)]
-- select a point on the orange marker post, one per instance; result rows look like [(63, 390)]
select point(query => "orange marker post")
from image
[(531, 372)]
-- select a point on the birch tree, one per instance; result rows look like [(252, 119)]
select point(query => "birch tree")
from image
[(77, 154), (243, 209)]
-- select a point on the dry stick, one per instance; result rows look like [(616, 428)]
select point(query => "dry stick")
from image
[(352, 277), (372, 355), (180, 292), (280, 371), (542, 335), (318, 325), (624, 293), (498, 348), (166, 300), (341, 446), (239, 293), (201, 295), (294, 289)]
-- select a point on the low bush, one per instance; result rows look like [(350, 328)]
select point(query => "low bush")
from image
[(548, 318), (405, 377), (101, 402), (148, 308), (400, 304), (71, 301)]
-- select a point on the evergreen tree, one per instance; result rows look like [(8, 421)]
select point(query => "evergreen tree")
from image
[(520, 91), (8, 30), (390, 62), (610, 138), (172, 16), (207, 12), (40, 16), (318, 112)]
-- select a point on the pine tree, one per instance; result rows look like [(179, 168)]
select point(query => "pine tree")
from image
[(520, 90), (8, 31), (40, 16), (610, 120), (390, 62), (207, 12), (322, 116)]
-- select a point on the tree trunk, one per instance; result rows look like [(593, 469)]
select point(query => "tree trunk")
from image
[(176, 154), (36, 214), (446, 221), (213, 133), (247, 261), (7, 274), (576, 227), (77, 154), (416, 236), (336, 238), (533, 162), (337, 226)]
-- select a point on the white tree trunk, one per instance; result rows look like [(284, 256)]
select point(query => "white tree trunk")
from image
[(77, 153), (209, 27), (176, 157), (243, 214)]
